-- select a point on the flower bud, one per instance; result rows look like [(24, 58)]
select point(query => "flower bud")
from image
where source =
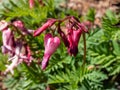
[(48, 24)]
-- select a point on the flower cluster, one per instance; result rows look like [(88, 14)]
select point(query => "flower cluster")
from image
[(19, 51), (51, 43), (70, 36), (16, 48)]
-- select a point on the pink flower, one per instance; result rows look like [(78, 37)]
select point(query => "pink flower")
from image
[(31, 3), (63, 36), (16, 59), (73, 39), (22, 54), (81, 26), (8, 38), (15, 62), (28, 55), (51, 44), (20, 25), (48, 24), (17, 50)]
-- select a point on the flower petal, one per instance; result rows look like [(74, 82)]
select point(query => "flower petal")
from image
[(8, 39), (76, 35), (47, 36), (51, 44), (45, 61)]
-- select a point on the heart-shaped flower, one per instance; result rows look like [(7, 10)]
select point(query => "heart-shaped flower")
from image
[(51, 44)]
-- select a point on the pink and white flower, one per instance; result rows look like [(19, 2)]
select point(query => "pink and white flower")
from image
[(51, 44), (8, 38), (16, 49), (22, 54)]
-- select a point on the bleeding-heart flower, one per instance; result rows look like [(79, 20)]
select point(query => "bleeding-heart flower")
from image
[(71, 35), (16, 49), (22, 54), (51, 44), (73, 39), (8, 38), (48, 24)]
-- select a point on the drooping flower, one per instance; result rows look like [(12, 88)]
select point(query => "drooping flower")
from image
[(8, 38), (51, 44), (17, 51), (22, 54), (28, 55), (16, 59), (73, 38), (23, 51), (71, 35), (63, 36), (48, 24), (20, 25)]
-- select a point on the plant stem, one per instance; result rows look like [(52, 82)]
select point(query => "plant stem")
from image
[(84, 57)]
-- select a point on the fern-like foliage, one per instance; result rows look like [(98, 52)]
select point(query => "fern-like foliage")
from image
[(109, 24), (22, 11), (65, 72), (78, 79), (105, 50)]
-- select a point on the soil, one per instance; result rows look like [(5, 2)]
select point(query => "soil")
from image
[(100, 6)]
